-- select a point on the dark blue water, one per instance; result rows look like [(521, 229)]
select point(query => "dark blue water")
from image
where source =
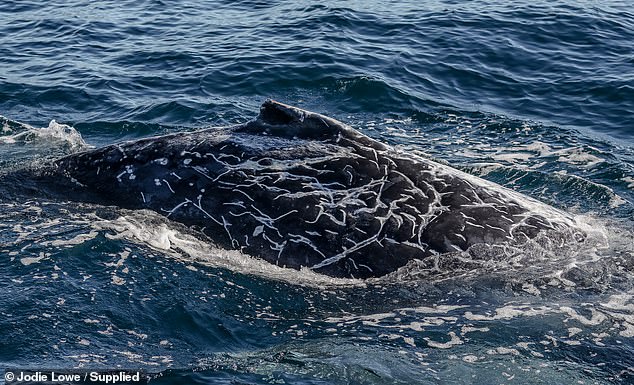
[(537, 96)]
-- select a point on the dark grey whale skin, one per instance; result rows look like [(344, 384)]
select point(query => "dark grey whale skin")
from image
[(299, 189)]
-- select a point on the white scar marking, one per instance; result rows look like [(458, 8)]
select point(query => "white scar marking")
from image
[(367, 267), (118, 147), (258, 230), (343, 254), (301, 239), (170, 212), (226, 225), (473, 224), (199, 206), (201, 171), (168, 186)]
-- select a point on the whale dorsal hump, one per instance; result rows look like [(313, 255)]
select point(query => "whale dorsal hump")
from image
[(282, 120), (279, 119)]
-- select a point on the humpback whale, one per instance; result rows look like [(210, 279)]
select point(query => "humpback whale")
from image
[(302, 190)]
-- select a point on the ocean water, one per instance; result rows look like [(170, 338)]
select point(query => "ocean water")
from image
[(536, 96)]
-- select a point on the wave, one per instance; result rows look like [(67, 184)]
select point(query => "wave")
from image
[(24, 146), (569, 67)]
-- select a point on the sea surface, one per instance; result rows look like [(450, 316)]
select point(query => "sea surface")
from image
[(537, 96)]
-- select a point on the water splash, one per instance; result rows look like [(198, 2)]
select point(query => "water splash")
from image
[(54, 135)]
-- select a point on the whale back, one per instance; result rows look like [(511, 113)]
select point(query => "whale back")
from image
[(299, 189)]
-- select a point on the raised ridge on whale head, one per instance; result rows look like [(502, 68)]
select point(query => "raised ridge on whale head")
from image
[(282, 120)]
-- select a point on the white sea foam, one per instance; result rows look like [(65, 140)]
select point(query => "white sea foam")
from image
[(55, 134), (579, 156), (26, 261), (454, 340)]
